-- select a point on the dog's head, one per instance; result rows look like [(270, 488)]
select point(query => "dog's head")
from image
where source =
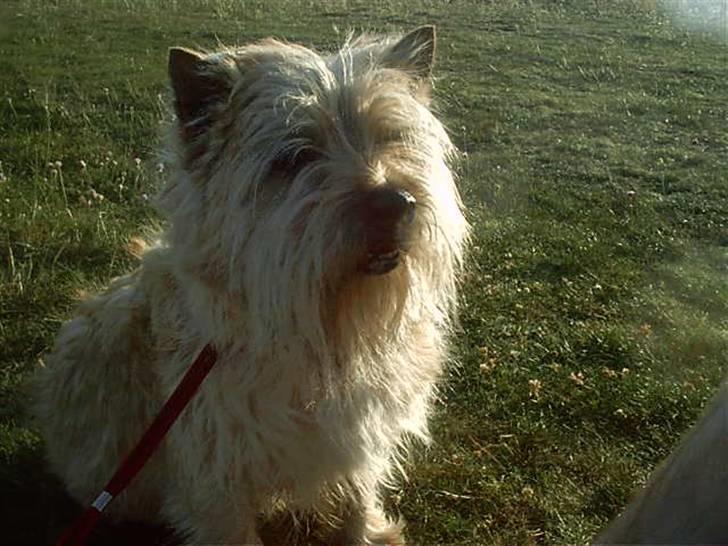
[(314, 185)]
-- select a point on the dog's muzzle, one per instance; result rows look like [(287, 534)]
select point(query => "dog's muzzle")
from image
[(388, 215)]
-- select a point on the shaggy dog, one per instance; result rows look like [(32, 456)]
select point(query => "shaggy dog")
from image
[(315, 237)]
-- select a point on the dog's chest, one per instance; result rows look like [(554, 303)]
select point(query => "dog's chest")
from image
[(294, 431)]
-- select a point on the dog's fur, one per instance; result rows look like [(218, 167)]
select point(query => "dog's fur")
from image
[(296, 248)]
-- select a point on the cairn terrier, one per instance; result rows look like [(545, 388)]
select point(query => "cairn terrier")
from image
[(315, 238)]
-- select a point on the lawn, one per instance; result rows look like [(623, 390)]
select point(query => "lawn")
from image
[(594, 309)]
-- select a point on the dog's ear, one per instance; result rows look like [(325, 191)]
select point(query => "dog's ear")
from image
[(414, 52), (198, 83)]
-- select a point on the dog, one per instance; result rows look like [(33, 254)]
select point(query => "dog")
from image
[(315, 239)]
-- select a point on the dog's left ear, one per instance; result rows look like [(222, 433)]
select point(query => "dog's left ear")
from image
[(414, 52), (198, 83)]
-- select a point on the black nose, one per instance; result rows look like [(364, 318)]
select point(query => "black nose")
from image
[(388, 205)]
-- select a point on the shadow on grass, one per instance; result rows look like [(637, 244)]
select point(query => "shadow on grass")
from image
[(29, 495), (36, 510)]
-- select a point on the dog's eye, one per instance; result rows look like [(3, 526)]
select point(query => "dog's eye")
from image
[(305, 157), (295, 160), (393, 136)]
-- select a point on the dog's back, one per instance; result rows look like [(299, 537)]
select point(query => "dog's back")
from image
[(84, 396)]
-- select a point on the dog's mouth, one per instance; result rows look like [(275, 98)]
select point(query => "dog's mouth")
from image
[(380, 263), (383, 258), (387, 215)]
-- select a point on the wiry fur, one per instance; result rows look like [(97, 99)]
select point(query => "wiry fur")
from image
[(323, 371)]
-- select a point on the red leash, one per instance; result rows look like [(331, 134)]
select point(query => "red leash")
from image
[(130, 467)]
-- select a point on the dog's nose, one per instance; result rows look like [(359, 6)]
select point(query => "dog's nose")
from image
[(391, 205)]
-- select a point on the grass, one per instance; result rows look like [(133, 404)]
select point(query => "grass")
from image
[(594, 322)]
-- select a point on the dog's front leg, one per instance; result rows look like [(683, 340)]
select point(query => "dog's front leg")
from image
[(206, 516), (363, 523), (223, 529)]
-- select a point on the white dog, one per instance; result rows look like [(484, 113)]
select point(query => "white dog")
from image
[(315, 237)]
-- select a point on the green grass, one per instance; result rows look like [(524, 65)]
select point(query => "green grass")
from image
[(594, 317)]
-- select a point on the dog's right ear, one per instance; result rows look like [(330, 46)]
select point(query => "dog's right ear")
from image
[(415, 52), (198, 83)]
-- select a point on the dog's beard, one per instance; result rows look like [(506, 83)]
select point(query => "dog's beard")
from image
[(310, 272), (308, 269), (310, 278)]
